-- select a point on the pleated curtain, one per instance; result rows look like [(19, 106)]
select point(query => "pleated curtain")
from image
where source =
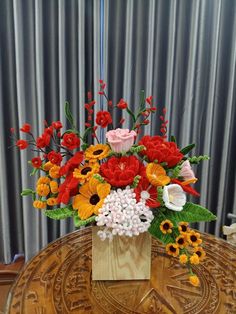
[(183, 52)]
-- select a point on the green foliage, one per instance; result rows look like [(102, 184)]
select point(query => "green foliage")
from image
[(34, 171), (79, 223), (173, 139), (137, 149), (191, 213), (99, 178), (131, 114), (155, 230), (27, 192), (135, 181), (60, 213), (86, 133), (176, 171), (142, 99), (69, 114), (187, 149), (198, 159)]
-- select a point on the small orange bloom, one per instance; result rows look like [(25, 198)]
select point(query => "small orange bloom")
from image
[(156, 174)]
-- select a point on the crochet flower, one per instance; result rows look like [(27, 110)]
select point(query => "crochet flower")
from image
[(172, 249), (186, 187), (121, 140), (72, 163), (103, 118), (120, 171), (186, 172), (200, 252), (91, 198), (194, 280), (174, 197), (54, 157), (86, 171), (159, 149), (121, 215), (26, 128), (166, 226), (147, 192), (183, 227), (97, 152), (36, 162), (156, 174), (194, 238), (22, 144), (71, 141)]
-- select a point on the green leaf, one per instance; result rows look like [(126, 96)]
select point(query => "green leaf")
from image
[(155, 230), (131, 114), (191, 213), (84, 146), (26, 192), (60, 213), (86, 133), (142, 99), (173, 139), (187, 149), (35, 170), (198, 159), (79, 222), (69, 114)]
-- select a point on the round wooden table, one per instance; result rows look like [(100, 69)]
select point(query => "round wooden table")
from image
[(58, 280)]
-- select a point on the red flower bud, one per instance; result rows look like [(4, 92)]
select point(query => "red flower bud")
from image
[(101, 93), (149, 100), (12, 130), (92, 103), (103, 86), (36, 162), (57, 125), (22, 144), (88, 125), (101, 81), (122, 104), (146, 121), (26, 128)]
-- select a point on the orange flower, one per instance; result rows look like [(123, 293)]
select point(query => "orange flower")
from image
[(54, 187), (42, 189), (183, 258), (54, 172), (194, 238), (39, 204), (194, 259), (166, 226), (156, 174), (200, 252), (194, 280), (47, 166), (183, 227), (52, 201), (180, 240), (172, 249), (43, 180)]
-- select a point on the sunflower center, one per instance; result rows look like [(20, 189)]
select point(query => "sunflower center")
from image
[(86, 170), (166, 226), (184, 228), (173, 249), (193, 238), (181, 241), (97, 152), (94, 199), (199, 253)]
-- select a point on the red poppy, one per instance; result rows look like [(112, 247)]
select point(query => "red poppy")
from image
[(36, 162), (103, 118), (186, 187), (26, 128), (162, 151), (148, 192), (54, 157), (22, 144), (70, 140), (122, 104), (43, 140), (120, 171), (57, 125)]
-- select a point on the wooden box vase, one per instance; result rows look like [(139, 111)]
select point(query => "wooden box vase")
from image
[(123, 258)]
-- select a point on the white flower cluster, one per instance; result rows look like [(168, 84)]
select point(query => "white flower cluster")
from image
[(122, 215)]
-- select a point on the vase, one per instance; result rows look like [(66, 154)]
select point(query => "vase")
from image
[(123, 258)]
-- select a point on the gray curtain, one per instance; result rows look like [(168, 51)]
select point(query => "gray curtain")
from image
[(181, 52)]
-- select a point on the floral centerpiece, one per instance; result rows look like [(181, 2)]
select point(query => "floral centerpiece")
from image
[(127, 185)]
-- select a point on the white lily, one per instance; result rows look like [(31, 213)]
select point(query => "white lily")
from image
[(174, 197)]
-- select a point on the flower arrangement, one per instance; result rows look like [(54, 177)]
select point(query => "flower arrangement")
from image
[(127, 186)]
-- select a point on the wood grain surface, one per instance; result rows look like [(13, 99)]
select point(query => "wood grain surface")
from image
[(59, 280), (123, 258)]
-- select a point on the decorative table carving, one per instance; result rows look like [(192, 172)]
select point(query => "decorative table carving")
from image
[(58, 280)]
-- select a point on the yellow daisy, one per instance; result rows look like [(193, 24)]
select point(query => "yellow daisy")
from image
[(181, 241), (172, 249), (183, 227), (194, 280), (194, 259), (156, 174), (194, 238), (200, 252), (85, 172), (166, 226), (183, 258), (96, 152), (91, 198)]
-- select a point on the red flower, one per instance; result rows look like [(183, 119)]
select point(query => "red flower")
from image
[(186, 187), (149, 100), (54, 157), (103, 118), (70, 140), (49, 130), (67, 189), (148, 192), (122, 104), (120, 171), (158, 149), (57, 125), (36, 162), (22, 144), (43, 140), (26, 128), (72, 163)]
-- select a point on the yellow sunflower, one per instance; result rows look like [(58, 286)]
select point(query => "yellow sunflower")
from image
[(97, 152), (85, 172), (172, 249), (156, 175), (200, 252), (181, 241), (194, 238), (183, 227), (166, 226), (91, 198)]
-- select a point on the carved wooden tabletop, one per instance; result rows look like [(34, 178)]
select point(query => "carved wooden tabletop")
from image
[(58, 280)]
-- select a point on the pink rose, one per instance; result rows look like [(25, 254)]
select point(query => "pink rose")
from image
[(121, 140), (186, 171)]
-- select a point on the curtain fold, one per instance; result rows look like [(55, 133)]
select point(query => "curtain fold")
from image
[(181, 52)]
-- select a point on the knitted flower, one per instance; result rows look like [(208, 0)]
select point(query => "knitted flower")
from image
[(103, 118), (186, 172), (121, 214), (194, 280), (172, 249), (96, 152), (147, 192), (200, 252), (91, 198), (159, 149), (166, 226), (174, 197), (121, 140), (86, 171), (156, 175), (120, 171)]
